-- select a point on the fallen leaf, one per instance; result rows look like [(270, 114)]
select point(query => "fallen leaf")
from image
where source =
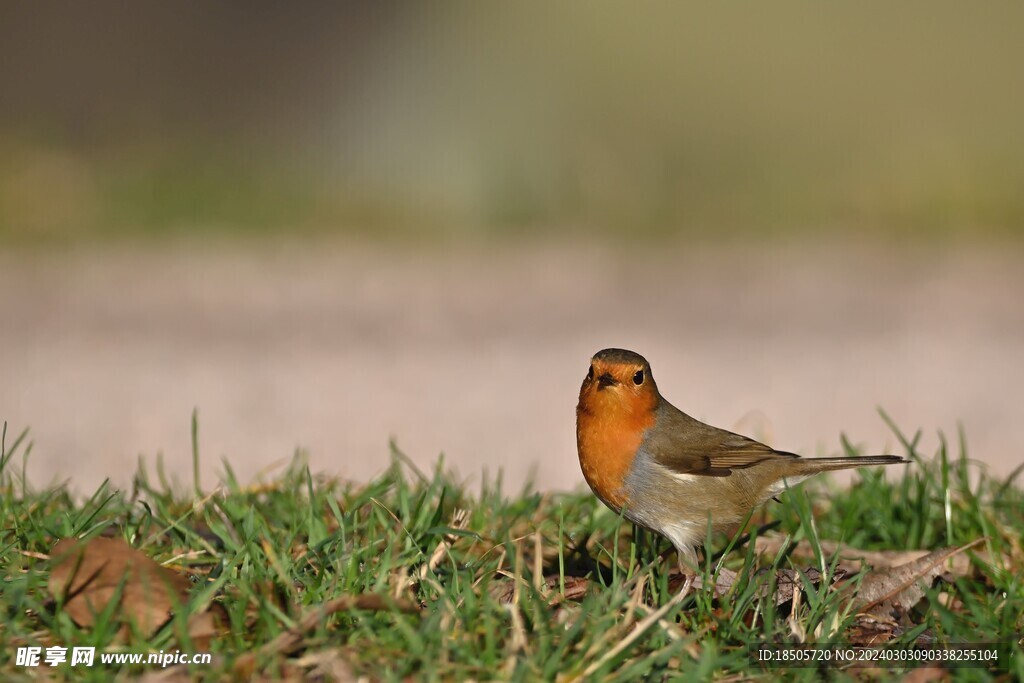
[(903, 586), (720, 584), (854, 559), (575, 587), (870, 632), (206, 625), (87, 576), (788, 581), (504, 589), (327, 665)]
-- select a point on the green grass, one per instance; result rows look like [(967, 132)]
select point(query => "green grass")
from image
[(490, 605)]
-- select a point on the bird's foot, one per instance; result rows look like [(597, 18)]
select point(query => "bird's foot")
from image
[(720, 584)]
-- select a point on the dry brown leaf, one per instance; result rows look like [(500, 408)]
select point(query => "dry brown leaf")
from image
[(723, 583), (204, 626), (504, 589), (870, 632), (327, 665), (88, 575), (903, 586), (788, 581), (854, 559), (575, 588)]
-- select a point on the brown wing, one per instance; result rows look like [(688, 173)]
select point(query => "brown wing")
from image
[(688, 446)]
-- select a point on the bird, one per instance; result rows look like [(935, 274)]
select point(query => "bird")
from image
[(668, 472)]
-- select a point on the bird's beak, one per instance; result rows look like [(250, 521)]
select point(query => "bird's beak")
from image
[(606, 380)]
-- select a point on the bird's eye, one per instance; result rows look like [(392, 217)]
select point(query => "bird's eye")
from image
[(590, 374), (638, 378)]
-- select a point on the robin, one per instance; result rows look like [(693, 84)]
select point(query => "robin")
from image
[(666, 471)]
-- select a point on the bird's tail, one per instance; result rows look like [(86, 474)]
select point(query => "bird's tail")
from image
[(815, 465)]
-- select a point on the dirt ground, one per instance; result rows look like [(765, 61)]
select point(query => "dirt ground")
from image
[(478, 352)]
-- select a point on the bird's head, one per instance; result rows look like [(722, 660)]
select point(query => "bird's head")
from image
[(618, 381)]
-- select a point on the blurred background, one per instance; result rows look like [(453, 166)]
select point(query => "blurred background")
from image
[(331, 226)]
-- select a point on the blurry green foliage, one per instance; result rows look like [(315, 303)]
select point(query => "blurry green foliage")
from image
[(454, 119)]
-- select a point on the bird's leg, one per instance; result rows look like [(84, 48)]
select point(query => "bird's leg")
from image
[(690, 569), (687, 584), (688, 566)]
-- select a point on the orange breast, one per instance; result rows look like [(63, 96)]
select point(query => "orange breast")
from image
[(608, 435)]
